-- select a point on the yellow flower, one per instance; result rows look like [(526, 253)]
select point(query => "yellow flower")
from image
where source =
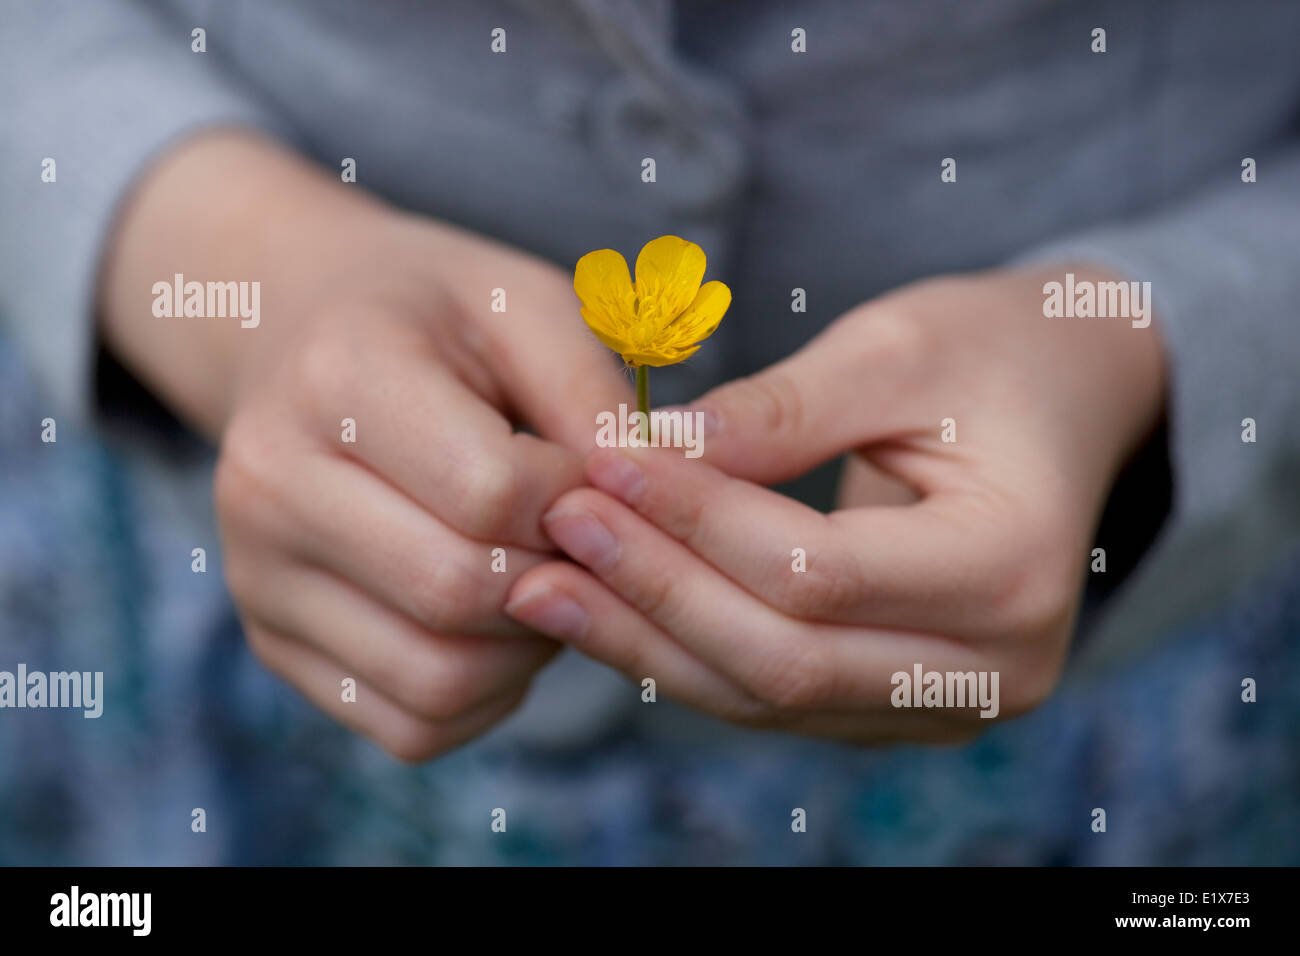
[(663, 318)]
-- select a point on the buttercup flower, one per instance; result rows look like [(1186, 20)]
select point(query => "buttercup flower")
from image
[(663, 318)]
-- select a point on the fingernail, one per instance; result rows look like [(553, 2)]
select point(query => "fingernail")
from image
[(550, 612), (581, 534), (617, 475)]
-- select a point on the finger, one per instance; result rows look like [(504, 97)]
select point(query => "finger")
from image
[(334, 513), (368, 712), (432, 676), (842, 390), (560, 378), (432, 437), (553, 370), (783, 662), (565, 602), (742, 529), (921, 567)]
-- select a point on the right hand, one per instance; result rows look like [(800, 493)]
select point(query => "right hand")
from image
[(372, 559)]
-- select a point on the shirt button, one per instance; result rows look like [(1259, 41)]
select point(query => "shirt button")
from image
[(699, 159)]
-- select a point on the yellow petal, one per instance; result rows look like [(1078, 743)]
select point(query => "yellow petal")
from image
[(617, 343), (658, 358), (668, 274), (701, 318), (605, 289)]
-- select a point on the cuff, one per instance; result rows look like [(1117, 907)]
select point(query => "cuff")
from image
[(102, 95), (1225, 289)]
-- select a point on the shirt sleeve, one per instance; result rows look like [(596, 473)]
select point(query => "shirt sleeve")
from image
[(1224, 268), (90, 94)]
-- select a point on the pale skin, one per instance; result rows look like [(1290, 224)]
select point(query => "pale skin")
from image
[(373, 560), (370, 560), (963, 556)]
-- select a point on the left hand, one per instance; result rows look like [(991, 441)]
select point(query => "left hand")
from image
[(686, 571)]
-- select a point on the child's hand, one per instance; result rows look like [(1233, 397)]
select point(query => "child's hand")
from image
[(371, 558), (692, 574)]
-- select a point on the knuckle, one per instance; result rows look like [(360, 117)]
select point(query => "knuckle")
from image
[(325, 367), (774, 399), (437, 690), (748, 711), (823, 589), (228, 483), (1036, 597), (1030, 579), (237, 479), (1032, 685), (490, 492), (681, 519), (657, 595), (1041, 576), (792, 680), (270, 650), (250, 482), (411, 741), (241, 580), (442, 597), (632, 662), (896, 337), (258, 642)]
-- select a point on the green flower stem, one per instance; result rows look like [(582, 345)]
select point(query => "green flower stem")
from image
[(643, 391)]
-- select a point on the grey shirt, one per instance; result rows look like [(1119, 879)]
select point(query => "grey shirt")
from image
[(817, 170)]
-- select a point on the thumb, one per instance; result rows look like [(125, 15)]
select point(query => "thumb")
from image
[(563, 379), (837, 393)]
